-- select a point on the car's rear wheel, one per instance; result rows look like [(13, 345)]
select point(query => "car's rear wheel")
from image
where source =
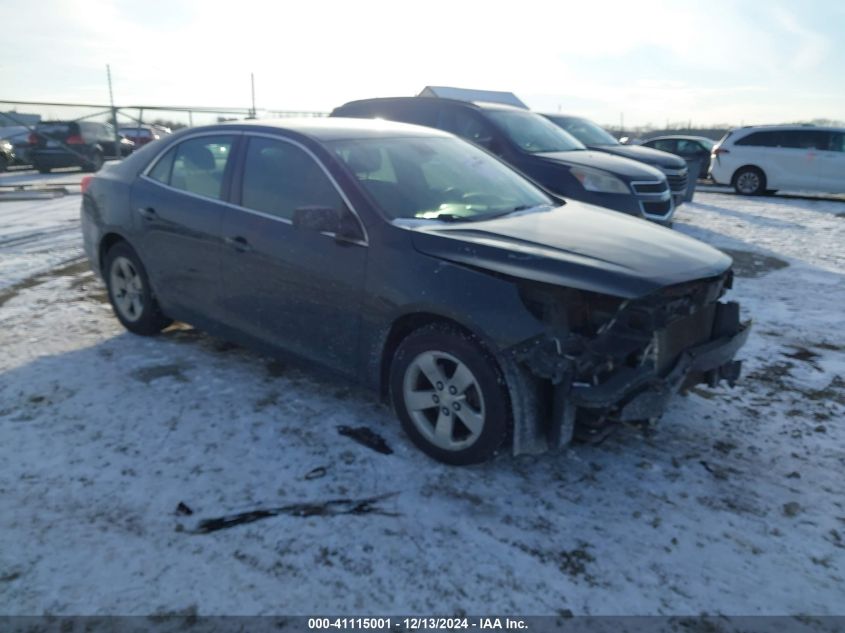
[(749, 181), (4, 163), (130, 294), (449, 395), (95, 163)]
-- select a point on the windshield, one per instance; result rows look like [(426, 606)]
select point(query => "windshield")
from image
[(534, 133), (584, 130), (443, 179)]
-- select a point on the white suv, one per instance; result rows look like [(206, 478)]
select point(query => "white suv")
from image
[(763, 159)]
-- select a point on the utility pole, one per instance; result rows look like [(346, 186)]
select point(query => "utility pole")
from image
[(252, 81), (113, 115)]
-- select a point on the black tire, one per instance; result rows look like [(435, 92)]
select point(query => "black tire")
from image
[(487, 394), (145, 316), (95, 163), (749, 181), (4, 163)]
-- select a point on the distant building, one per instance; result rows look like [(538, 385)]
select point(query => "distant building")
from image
[(18, 118), (468, 94)]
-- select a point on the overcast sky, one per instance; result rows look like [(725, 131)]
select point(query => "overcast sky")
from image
[(712, 61)]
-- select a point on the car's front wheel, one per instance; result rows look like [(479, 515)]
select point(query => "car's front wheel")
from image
[(749, 181), (449, 395), (130, 294)]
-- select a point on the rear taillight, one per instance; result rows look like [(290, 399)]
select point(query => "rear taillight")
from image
[(33, 139), (85, 183), (74, 139)]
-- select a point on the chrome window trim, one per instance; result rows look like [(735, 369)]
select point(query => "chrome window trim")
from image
[(237, 207)]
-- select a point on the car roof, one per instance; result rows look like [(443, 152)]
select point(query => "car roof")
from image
[(682, 137), (480, 105), (336, 128), (793, 126)]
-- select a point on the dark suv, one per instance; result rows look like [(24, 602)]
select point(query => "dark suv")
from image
[(597, 138), (536, 147), (84, 144)]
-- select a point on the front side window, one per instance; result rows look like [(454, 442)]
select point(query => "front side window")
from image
[(534, 133), (198, 165), (467, 125), (665, 145), (443, 179), (280, 177), (687, 146), (584, 130)]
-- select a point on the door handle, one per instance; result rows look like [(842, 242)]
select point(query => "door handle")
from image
[(148, 212), (239, 243)]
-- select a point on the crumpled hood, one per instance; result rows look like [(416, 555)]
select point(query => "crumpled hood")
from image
[(625, 168), (578, 246)]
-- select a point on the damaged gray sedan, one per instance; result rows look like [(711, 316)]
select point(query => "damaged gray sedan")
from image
[(488, 311)]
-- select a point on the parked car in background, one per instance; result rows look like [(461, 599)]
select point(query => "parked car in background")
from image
[(687, 147), (84, 144), (536, 147), (419, 265), (760, 159), (142, 134), (597, 138)]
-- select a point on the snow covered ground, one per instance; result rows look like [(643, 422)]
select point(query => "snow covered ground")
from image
[(735, 505)]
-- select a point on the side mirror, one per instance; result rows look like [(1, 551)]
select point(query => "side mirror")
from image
[(320, 219)]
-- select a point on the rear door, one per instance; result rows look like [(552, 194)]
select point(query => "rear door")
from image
[(295, 289), (832, 164), (178, 208)]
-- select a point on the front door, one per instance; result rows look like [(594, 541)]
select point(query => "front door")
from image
[(296, 289)]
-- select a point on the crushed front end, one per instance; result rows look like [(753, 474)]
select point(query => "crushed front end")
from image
[(604, 361)]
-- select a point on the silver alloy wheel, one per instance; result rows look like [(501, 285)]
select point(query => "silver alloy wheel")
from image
[(748, 182), (127, 289), (444, 400)]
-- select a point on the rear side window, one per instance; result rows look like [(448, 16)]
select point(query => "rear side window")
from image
[(161, 171), (793, 139), (837, 142), (759, 139), (280, 177), (196, 166)]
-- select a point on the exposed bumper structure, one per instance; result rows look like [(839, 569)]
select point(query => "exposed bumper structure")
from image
[(630, 368), (645, 394)]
